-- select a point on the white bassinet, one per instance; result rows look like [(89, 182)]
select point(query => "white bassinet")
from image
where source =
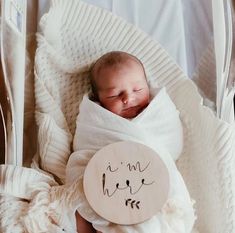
[(67, 47)]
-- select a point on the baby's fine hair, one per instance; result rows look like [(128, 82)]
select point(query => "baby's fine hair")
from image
[(110, 59)]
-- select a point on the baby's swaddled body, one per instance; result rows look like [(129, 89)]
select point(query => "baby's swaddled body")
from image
[(159, 127)]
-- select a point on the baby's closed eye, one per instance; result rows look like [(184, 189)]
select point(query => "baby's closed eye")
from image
[(138, 89), (112, 96)]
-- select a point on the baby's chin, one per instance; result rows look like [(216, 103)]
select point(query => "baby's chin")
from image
[(129, 116)]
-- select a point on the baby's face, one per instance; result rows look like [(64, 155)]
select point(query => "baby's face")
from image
[(123, 90)]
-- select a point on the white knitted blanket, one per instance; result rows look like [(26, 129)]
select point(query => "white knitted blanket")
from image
[(73, 35), (158, 127)]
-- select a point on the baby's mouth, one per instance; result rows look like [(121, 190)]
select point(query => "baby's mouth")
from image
[(130, 108), (131, 112)]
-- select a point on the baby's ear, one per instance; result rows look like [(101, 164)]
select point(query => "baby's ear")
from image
[(92, 96)]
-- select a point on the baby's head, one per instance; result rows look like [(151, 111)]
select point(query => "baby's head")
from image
[(119, 83)]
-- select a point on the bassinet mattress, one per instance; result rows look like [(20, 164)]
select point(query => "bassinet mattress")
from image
[(66, 49)]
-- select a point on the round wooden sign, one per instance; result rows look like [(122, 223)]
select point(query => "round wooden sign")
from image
[(126, 183)]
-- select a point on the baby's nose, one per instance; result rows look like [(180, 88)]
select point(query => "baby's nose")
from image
[(127, 98)]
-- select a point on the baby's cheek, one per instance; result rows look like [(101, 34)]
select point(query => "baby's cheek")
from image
[(145, 99), (114, 106), (117, 108)]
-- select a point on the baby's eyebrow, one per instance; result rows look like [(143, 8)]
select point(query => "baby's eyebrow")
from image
[(140, 82), (110, 88)]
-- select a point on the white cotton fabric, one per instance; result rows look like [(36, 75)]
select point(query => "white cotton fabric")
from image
[(27, 202), (67, 47), (157, 126)]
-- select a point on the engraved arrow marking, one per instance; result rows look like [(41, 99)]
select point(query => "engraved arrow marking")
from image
[(132, 203)]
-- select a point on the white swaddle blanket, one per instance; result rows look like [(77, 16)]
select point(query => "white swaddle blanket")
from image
[(158, 127)]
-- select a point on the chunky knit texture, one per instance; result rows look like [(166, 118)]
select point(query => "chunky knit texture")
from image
[(205, 76), (67, 48), (73, 35)]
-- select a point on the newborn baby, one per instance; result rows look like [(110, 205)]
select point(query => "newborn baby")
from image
[(121, 108), (119, 84)]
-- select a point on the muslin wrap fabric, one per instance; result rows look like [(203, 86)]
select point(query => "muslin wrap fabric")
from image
[(157, 126)]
